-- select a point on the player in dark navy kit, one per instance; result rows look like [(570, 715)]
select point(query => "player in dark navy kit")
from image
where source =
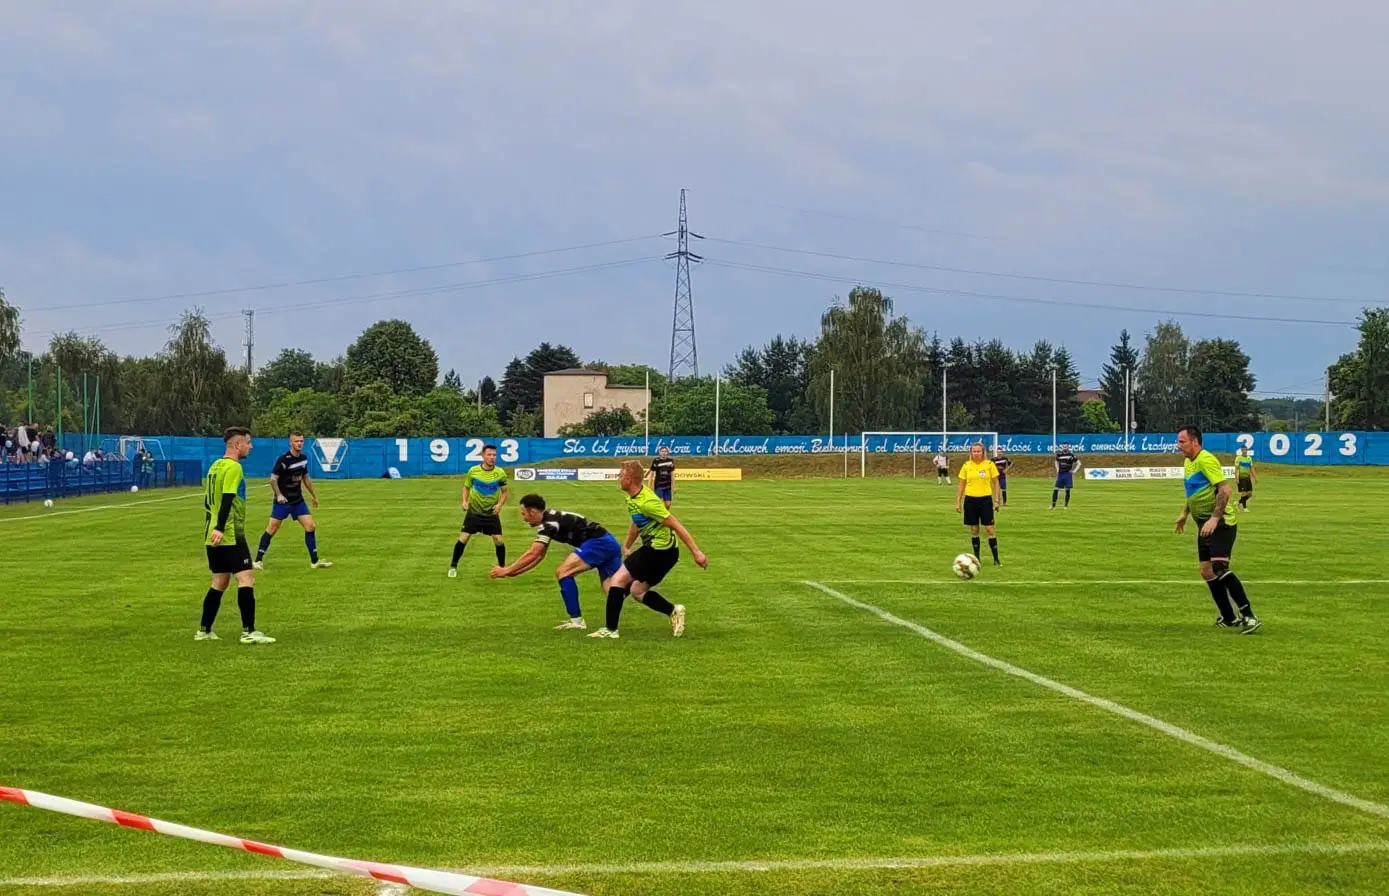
[(288, 480), (1002, 462), (1066, 465), (663, 475), (595, 548)]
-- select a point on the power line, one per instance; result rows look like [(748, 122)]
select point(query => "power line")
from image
[(288, 284), (1040, 278), (441, 289), (1065, 303), (863, 219)]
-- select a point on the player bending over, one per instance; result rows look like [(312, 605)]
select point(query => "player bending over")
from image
[(977, 498), (1245, 477), (484, 495), (643, 569), (1066, 465), (1208, 500), (224, 534), (288, 480), (595, 548), (662, 475)]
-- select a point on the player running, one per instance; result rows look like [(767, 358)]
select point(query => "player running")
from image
[(662, 475), (595, 548), (484, 495), (224, 535), (942, 468), (1002, 463), (1245, 477), (1208, 500), (978, 497), (644, 568), (1066, 466), (288, 480)]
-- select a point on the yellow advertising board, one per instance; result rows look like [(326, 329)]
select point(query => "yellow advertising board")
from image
[(711, 474)]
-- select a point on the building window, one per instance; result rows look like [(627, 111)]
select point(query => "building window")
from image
[(588, 400)]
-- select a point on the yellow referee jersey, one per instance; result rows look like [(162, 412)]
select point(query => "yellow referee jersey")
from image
[(978, 478)]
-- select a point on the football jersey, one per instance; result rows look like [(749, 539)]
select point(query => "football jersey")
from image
[(1066, 461), (664, 470), (567, 528), (290, 470), (484, 489), (225, 477), (648, 513)]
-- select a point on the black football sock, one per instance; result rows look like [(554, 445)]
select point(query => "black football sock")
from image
[(1222, 601), (1054, 493), (615, 598), (658, 603), (993, 548), (211, 604), (458, 547), (1068, 497), (1004, 493), (264, 546), (246, 601), (1243, 501), (501, 555), (974, 543), (1235, 588)]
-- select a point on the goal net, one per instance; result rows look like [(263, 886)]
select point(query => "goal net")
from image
[(902, 453)]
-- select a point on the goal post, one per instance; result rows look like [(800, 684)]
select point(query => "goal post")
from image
[(914, 443)]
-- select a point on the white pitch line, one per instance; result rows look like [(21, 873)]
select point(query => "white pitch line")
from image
[(1073, 582), (752, 866), (1273, 771), (52, 513)]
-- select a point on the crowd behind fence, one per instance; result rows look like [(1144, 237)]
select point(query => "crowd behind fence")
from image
[(65, 475)]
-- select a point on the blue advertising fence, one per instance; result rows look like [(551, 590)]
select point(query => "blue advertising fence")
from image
[(373, 458)]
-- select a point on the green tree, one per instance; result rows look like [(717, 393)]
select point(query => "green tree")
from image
[(1220, 382), (782, 369), (1164, 384), (448, 414), (879, 362), (453, 382), (523, 383), (1122, 357), (291, 370), (391, 352), (330, 378), (487, 391), (198, 392), (688, 408), (1095, 417), (316, 414), (606, 422), (526, 424), (9, 331), (1360, 379)]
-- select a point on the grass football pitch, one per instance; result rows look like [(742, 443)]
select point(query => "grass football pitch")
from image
[(895, 730)]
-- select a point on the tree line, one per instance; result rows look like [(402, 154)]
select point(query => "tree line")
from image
[(887, 374)]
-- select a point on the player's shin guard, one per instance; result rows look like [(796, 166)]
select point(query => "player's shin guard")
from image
[(264, 546), (311, 542), (569, 591), (212, 602), (993, 548), (974, 543), (614, 616), (1222, 600), (1235, 588), (658, 603), (458, 547), (246, 602)]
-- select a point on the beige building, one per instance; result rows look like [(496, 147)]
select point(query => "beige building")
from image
[(571, 395)]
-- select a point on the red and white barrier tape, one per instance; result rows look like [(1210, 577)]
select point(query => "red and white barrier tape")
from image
[(421, 878)]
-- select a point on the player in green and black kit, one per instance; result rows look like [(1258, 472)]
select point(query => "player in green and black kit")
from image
[(1245, 476), (1208, 500), (224, 534), (484, 495), (643, 569)]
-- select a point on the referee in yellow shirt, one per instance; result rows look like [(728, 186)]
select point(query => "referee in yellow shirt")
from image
[(978, 497)]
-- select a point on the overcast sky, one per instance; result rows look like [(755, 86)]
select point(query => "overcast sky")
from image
[(159, 148)]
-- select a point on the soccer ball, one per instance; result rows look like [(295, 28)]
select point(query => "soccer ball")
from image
[(48, 503), (966, 567), (135, 488)]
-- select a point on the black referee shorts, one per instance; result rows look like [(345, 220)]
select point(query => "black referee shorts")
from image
[(649, 565), (482, 524), (229, 559), (979, 511), (1220, 543)]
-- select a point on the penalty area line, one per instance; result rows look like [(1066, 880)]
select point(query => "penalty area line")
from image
[(1281, 774), (752, 866), (943, 583)]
